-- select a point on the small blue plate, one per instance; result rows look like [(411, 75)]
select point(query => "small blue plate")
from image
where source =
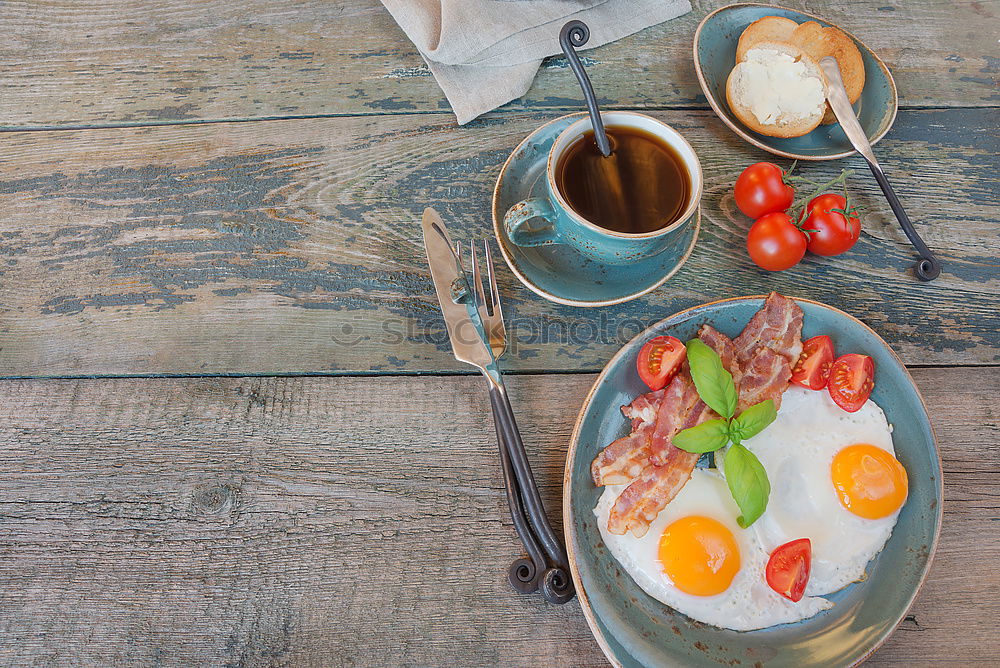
[(634, 629), (558, 272), (715, 56)]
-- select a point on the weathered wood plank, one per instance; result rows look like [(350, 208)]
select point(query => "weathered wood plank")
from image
[(293, 246), (282, 521), (122, 62)]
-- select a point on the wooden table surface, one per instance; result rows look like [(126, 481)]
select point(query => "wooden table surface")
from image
[(232, 429)]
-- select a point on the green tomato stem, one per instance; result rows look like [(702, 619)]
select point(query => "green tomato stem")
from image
[(803, 202)]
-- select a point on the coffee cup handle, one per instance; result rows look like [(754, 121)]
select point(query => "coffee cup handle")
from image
[(521, 233)]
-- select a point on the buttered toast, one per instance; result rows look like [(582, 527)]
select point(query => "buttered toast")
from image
[(784, 36)]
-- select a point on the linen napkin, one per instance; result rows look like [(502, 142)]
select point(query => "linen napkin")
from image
[(484, 53)]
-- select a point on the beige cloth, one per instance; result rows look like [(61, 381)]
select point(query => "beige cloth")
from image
[(484, 53)]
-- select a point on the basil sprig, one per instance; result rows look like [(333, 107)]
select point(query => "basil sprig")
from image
[(744, 473)]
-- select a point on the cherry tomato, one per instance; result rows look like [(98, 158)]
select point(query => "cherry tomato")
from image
[(852, 378), (787, 570), (835, 233), (659, 360), (774, 243), (761, 189), (813, 368)]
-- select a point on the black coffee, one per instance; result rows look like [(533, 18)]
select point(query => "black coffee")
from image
[(642, 186)]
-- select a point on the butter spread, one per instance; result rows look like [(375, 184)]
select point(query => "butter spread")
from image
[(774, 86)]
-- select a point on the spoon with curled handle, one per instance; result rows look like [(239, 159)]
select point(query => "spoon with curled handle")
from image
[(575, 34)]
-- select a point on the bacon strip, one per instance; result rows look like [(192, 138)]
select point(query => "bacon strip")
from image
[(623, 460), (642, 410), (776, 326), (766, 376), (656, 417), (639, 503), (680, 398), (767, 348)]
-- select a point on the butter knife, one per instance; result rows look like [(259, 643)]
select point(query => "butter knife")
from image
[(928, 268)]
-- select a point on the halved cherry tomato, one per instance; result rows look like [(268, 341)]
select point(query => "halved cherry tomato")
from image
[(787, 570), (659, 360), (852, 378), (813, 368)]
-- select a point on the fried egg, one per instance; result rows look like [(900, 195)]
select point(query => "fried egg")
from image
[(834, 479), (696, 559)]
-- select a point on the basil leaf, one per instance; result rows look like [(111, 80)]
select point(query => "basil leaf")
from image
[(714, 383), (752, 421), (748, 484), (705, 437)]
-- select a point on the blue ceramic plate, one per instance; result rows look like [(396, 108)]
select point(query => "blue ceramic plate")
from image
[(634, 629), (715, 56), (558, 272)]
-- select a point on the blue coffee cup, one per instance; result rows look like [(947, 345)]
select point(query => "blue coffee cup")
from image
[(549, 219)]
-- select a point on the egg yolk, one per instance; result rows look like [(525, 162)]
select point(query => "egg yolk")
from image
[(699, 555), (870, 482)]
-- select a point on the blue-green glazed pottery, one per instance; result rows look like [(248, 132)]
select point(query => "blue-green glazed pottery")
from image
[(715, 56), (562, 272), (549, 219), (634, 629)]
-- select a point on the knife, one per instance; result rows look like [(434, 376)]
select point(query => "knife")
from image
[(929, 267), (465, 330)]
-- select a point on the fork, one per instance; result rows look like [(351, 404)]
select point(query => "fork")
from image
[(530, 521)]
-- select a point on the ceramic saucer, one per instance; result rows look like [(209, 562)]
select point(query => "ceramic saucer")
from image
[(558, 272)]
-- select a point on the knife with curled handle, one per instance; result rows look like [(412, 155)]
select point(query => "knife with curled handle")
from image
[(466, 332), (928, 268)]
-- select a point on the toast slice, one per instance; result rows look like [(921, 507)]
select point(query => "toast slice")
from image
[(819, 42), (778, 90), (767, 29)]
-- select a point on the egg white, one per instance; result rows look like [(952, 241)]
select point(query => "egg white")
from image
[(797, 450), (749, 603)]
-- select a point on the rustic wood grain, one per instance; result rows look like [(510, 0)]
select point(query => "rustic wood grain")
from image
[(118, 61), (285, 521), (294, 246), (355, 522)]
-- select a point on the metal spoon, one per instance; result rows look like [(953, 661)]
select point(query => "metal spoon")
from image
[(576, 33), (928, 268)]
